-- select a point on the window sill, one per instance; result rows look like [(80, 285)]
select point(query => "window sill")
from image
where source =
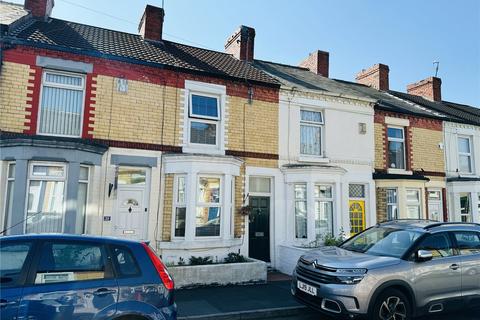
[(316, 159), (399, 171), (200, 243), (203, 150)]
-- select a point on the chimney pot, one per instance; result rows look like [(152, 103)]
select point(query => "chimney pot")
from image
[(241, 43), (376, 77), (151, 24), (317, 62), (430, 88), (40, 9)]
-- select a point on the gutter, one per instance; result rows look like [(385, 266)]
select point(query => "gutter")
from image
[(96, 54)]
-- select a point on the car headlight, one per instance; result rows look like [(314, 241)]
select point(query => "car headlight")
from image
[(349, 279)]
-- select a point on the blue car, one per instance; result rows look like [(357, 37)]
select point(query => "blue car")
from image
[(53, 276)]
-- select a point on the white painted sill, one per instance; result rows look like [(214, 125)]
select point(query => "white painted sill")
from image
[(314, 159), (400, 171)]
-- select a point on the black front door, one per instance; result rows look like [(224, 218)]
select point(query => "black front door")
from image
[(259, 229)]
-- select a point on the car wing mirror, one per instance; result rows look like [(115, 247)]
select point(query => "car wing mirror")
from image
[(424, 255)]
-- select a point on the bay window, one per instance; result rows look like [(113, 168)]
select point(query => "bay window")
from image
[(45, 205), (208, 207), (61, 104), (300, 210), (323, 210), (465, 207), (396, 147), (311, 126), (464, 155), (180, 207), (413, 204), (9, 194), (204, 119), (392, 204), (82, 199)]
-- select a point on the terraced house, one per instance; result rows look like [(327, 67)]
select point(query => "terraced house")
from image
[(461, 132), (111, 133)]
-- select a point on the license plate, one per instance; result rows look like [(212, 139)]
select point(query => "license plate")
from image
[(306, 288)]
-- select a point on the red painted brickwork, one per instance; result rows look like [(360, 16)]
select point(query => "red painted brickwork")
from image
[(32, 103), (88, 116)]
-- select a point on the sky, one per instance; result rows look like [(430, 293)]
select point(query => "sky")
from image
[(407, 35)]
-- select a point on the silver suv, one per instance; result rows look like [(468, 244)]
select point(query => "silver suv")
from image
[(394, 270)]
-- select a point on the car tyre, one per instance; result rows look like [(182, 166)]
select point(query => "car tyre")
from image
[(391, 304)]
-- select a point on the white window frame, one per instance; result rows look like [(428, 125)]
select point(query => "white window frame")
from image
[(178, 204), (331, 199), (465, 154), (199, 204), (438, 201), (207, 90), (295, 200), (415, 203), (394, 205), (61, 86), (5, 202), (87, 198), (202, 94), (315, 124), (469, 215), (402, 140), (31, 177)]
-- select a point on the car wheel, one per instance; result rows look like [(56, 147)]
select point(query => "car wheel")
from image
[(391, 304)]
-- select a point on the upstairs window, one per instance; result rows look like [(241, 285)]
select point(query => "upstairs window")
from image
[(61, 104), (396, 148), (464, 155), (204, 118), (311, 126)]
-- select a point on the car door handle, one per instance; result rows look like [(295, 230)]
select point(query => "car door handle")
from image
[(4, 303), (104, 291), (454, 266)]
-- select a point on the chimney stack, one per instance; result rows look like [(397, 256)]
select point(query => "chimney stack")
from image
[(241, 44), (151, 24), (430, 88), (40, 9), (376, 77), (317, 62)]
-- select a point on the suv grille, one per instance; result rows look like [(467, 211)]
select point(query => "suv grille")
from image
[(315, 275)]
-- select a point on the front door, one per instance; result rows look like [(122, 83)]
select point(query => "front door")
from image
[(259, 229), (357, 216), (131, 215)]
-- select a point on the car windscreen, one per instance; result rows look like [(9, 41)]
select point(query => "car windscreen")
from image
[(382, 241)]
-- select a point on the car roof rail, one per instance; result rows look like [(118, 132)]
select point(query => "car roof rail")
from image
[(438, 224), (407, 220)]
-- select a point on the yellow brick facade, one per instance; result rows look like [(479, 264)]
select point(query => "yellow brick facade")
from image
[(13, 96), (252, 127), (147, 113), (426, 152), (379, 134)]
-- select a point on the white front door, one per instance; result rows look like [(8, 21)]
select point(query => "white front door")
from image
[(131, 214)]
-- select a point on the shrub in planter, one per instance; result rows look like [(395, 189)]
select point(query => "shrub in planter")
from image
[(181, 261), (197, 261), (233, 257)]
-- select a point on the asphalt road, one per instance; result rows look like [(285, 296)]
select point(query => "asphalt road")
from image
[(466, 315)]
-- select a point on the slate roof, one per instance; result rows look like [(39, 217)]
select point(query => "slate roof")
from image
[(454, 111), (65, 35), (302, 78)]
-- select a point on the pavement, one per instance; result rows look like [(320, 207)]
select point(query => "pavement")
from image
[(272, 300)]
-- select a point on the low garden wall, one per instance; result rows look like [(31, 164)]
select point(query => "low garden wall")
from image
[(288, 257), (253, 271)]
